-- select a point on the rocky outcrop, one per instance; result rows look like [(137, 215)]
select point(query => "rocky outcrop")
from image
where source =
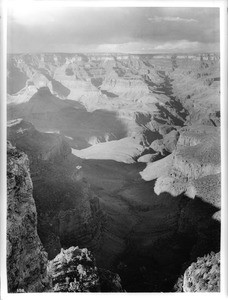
[(203, 275), (26, 258), (75, 270)]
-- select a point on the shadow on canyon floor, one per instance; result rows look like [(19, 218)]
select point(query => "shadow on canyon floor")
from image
[(149, 240), (158, 267)]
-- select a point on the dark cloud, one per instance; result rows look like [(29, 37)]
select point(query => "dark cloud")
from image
[(87, 27)]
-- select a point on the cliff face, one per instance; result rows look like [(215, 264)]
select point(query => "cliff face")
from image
[(26, 258)]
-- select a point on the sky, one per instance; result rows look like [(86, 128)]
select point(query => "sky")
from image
[(40, 28)]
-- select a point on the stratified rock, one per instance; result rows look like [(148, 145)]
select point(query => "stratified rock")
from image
[(26, 259), (75, 270), (203, 275)]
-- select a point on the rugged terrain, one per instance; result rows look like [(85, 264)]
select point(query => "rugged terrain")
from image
[(125, 158), (28, 268)]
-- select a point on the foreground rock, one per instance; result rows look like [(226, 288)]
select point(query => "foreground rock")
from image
[(75, 270), (26, 258), (203, 275)]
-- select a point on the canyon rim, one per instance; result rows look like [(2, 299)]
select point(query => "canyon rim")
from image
[(113, 149)]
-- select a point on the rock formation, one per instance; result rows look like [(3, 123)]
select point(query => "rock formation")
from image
[(26, 258), (75, 270), (203, 275), (194, 160)]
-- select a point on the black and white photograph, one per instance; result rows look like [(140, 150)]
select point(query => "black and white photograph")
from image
[(113, 120)]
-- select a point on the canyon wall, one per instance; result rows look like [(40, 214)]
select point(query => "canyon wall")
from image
[(26, 258)]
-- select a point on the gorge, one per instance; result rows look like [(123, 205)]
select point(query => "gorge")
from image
[(124, 159)]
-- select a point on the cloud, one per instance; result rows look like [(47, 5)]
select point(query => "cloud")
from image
[(178, 45), (171, 19), (64, 29)]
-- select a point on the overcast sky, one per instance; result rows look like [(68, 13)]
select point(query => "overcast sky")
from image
[(126, 29)]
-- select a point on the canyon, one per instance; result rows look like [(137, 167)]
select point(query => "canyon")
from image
[(124, 159)]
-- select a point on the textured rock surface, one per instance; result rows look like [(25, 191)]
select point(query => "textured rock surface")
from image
[(75, 270), (26, 259), (197, 85), (203, 275), (194, 166)]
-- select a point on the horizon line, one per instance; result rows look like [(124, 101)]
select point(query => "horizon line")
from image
[(113, 53)]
